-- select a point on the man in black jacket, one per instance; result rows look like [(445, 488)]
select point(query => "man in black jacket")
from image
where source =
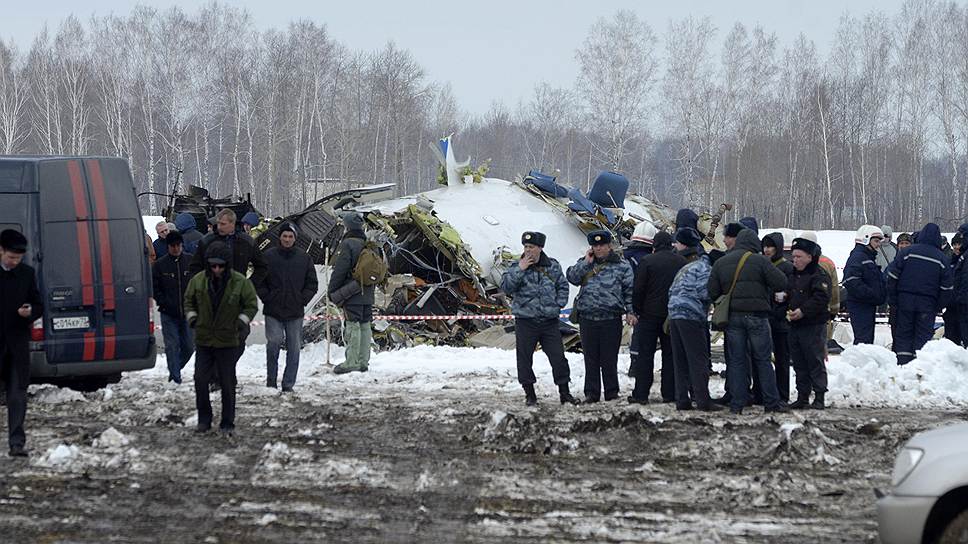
[(749, 309), (20, 306), (809, 290), (650, 302), (779, 326), (356, 300), (169, 278), (244, 250), (287, 288)]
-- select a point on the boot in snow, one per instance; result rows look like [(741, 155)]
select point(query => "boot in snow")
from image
[(802, 402), (818, 403), (565, 395), (530, 398)]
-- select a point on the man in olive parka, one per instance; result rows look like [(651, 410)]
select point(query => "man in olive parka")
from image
[(219, 304)]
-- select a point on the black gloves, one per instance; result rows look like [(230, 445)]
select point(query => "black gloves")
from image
[(192, 321), (244, 330)]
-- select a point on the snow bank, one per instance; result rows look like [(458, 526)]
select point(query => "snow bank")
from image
[(868, 375), (51, 394), (865, 375)]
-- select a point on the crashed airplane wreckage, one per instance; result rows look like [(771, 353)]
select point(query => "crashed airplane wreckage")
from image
[(447, 248)]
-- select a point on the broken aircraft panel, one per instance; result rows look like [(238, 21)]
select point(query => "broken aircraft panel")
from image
[(447, 248)]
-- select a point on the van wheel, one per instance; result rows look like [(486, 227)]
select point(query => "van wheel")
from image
[(93, 383), (956, 532)]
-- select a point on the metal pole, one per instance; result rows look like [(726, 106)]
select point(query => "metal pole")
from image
[(329, 340)]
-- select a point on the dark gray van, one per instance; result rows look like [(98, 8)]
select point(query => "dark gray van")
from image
[(86, 241)]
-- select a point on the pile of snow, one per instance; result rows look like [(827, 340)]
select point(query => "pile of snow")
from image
[(51, 394), (60, 456), (111, 439), (868, 375)]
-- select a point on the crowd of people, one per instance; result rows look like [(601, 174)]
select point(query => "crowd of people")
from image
[(773, 299), (208, 297)]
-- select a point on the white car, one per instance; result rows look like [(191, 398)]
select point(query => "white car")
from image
[(928, 502)]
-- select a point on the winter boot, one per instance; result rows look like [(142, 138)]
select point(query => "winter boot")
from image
[(818, 403), (530, 398), (565, 395), (802, 402)]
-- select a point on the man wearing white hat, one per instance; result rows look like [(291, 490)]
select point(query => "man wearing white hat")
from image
[(865, 284)]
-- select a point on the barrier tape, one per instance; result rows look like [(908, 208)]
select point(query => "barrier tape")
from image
[(841, 318), (427, 317)]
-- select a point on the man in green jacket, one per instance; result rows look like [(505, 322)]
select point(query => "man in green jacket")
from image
[(219, 304)]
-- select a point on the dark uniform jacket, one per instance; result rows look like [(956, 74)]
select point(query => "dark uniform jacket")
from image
[(653, 278), (169, 278), (289, 284), (635, 252), (18, 287), (606, 294), (809, 291), (757, 281), (540, 292), (863, 279), (778, 312), (244, 253), (919, 279), (161, 247)]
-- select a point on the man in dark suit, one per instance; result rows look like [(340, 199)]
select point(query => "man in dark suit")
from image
[(20, 306)]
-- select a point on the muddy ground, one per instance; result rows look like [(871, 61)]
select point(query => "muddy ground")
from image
[(361, 461)]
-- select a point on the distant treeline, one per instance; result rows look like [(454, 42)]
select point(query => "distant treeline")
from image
[(875, 131)]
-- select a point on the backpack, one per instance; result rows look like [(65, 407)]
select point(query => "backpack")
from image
[(370, 268)]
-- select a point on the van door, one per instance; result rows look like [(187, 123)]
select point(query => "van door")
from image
[(122, 264), (93, 263)]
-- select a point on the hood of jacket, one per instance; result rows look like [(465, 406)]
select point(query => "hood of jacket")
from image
[(687, 218), (184, 221), (747, 240), (930, 235), (777, 239)]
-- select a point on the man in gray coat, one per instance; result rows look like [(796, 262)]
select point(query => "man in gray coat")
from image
[(355, 300), (887, 250), (539, 291), (606, 281)]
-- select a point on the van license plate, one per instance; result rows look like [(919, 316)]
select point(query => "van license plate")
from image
[(65, 323)]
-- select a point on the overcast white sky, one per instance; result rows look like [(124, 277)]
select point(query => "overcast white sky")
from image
[(493, 50)]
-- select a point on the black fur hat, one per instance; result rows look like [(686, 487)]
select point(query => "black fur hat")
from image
[(536, 238), (808, 246), (597, 237)]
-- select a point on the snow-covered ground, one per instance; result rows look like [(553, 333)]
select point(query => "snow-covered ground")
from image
[(862, 376), (433, 442)]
